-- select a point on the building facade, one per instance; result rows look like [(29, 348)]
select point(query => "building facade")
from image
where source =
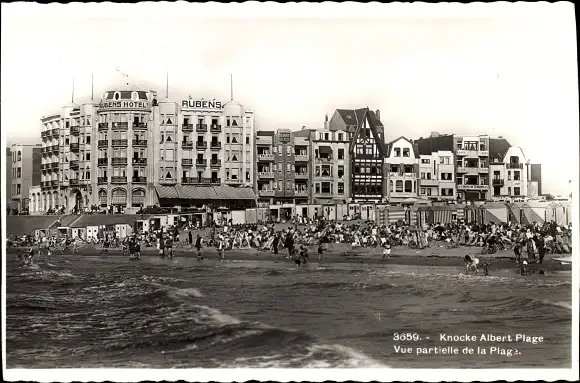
[(117, 153), (536, 176), (330, 165), (508, 171), (366, 152), (401, 171), (472, 167), (437, 176), (8, 180), (25, 172)]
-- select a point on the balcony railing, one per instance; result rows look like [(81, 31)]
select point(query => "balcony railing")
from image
[(103, 161), (75, 130), (300, 193), (74, 146), (53, 183), (188, 180), (44, 134), (139, 161), (201, 144), (515, 166), (139, 180), (74, 164), (186, 162), (55, 148), (55, 132), (118, 179), (301, 157), (214, 163), (483, 153), (187, 144), (44, 166), (54, 165), (216, 128), (201, 162), (120, 125), (216, 144), (187, 128), (266, 193), (140, 143), (266, 157), (303, 176), (119, 161), (139, 125), (102, 180), (467, 169), (103, 126), (426, 182), (121, 143), (45, 184), (266, 174), (497, 182), (326, 160), (472, 187), (73, 182), (201, 127), (103, 143), (483, 170)]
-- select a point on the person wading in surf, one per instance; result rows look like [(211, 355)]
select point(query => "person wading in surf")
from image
[(198, 247)]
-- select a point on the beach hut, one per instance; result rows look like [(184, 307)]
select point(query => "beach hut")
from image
[(470, 213), (555, 213), (441, 214), (567, 212), (534, 211), (457, 211), (353, 209), (302, 210), (329, 212), (367, 212), (381, 215), (515, 213), (422, 214), (496, 212), (396, 213), (314, 211), (251, 216)]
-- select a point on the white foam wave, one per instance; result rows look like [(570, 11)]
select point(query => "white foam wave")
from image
[(566, 305), (216, 317)]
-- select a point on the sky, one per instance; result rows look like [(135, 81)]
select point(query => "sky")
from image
[(510, 74)]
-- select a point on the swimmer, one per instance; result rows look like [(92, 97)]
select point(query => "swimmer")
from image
[(471, 264)]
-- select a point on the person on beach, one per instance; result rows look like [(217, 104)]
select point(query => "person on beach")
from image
[(387, 249), (105, 248), (303, 254), (190, 237), (221, 248), (275, 244), (518, 252), (320, 251), (161, 246), (198, 247), (169, 246), (471, 263)]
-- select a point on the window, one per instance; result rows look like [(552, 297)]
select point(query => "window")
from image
[(516, 191), (509, 190), (340, 137), (341, 154), (247, 140), (340, 171), (326, 188), (394, 168), (405, 152), (288, 168), (423, 191), (399, 186), (447, 192), (288, 186), (509, 175), (397, 152), (341, 188), (18, 189), (516, 177), (317, 188), (446, 176), (409, 169), (88, 139), (288, 150), (280, 151), (408, 187), (425, 161)]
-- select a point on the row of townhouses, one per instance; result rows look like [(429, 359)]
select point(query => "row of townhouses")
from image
[(129, 150)]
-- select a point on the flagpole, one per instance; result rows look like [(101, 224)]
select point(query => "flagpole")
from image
[(92, 87), (167, 84), (72, 97)]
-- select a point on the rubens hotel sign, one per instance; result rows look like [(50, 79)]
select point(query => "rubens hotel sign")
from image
[(125, 105), (202, 104)]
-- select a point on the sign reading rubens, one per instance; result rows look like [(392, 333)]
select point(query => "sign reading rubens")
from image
[(202, 104)]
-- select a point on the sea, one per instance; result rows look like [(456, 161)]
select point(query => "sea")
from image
[(111, 312)]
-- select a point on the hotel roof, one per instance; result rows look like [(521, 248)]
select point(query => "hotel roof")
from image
[(498, 148)]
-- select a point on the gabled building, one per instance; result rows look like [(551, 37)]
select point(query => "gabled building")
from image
[(401, 170), (509, 178), (366, 151)]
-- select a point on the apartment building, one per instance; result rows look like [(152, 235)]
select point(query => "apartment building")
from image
[(472, 167), (401, 170), (437, 176), (366, 151), (8, 180), (25, 164), (509, 176), (330, 165)]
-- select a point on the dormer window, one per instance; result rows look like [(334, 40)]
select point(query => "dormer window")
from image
[(405, 152), (397, 152)]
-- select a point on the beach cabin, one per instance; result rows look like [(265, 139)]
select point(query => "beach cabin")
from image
[(80, 232), (341, 211), (314, 211), (381, 215), (367, 212), (555, 213), (353, 209), (329, 212), (92, 232), (567, 213), (496, 212), (515, 213), (396, 214), (470, 213), (422, 216), (123, 230), (302, 210), (251, 216), (238, 217), (534, 211)]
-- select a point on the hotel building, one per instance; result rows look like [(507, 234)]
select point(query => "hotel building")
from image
[(129, 151), (366, 151), (437, 176), (282, 168), (401, 170), (509, 178), (330, 165), (25, 171), (472, 167)]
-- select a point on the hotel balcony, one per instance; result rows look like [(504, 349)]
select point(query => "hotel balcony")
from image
[(216, 145), (426, 182), (514, 166), (120, 143), (234, 182), (201, 162), (215, 163), (118, 179), (187, 144), (466, 152), (119, 161), (75, 130), (187, 128), (201, 128), (472, 187), (186, 162), (167, 181), (266, 157), (120, 125), (139, 161), (188, 180), (396, 175), (74, 146), (103, 161), (139, 126), (44, 166), (55, 132), (74, 164), (102, 180), (483, 153), (468, 170), (140, 143), (139, 180), (265, 174), (266, 193), (55, 149), (103, 126), (54, 165), (301, 158), (327, 160), (201, 144), (53, 183), (216, 128), (301, 176), (497, 182), (483, 170), (103, 143), (44, 134), (74, 182), (300, 193)]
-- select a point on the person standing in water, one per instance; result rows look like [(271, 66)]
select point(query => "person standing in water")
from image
[(320, 251), (275, 242), (221, 248), (198, 247)]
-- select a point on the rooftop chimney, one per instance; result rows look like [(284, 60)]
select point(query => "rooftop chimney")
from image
[(434, 134), (378, 113)]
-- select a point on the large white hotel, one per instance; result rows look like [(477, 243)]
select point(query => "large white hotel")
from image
[(130, 150)]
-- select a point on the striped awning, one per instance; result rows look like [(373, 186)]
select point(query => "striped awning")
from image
[(167, 192), (119, 197), (138, 196), (197, 192), (230, 193)]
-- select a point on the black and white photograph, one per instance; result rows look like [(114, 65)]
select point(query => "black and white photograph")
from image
[(289, 192)]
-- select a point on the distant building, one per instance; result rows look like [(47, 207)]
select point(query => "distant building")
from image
[(402, 167), (8, 181), (25, 172), (366, 151), (437, 176), (536, 176), (509, 178), (472, 167)]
